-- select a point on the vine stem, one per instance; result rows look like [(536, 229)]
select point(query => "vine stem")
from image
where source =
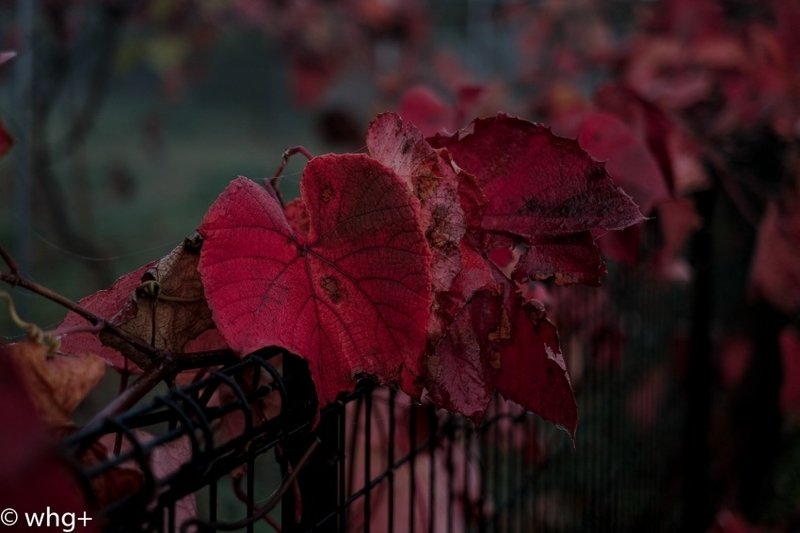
[(135, 392), (12, 265), (273, 182), (140, 345), (266, 508), (237, 489), (16, 280)]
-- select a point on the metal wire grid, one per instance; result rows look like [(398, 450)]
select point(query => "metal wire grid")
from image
[(383, 463), (441, 451)]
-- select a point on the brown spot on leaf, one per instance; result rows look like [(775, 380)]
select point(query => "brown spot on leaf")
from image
[(536, 313), (563, 278), (503, 331), (332, 288), (327, 193), (426, 185), (438, 234), (537, 310)]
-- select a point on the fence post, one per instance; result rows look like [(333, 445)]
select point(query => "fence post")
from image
[(698, 511), (318, 480)]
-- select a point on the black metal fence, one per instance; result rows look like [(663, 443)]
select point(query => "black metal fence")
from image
[(375, 461)]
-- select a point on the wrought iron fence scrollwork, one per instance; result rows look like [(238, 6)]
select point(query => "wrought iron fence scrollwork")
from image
[(189, 413)]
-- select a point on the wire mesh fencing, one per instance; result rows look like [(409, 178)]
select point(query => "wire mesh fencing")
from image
[(374, 461)]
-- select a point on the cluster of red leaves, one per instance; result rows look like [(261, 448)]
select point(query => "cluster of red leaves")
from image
[(388, 266)]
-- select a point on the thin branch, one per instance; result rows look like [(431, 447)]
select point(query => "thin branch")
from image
[(273, 182), (237, 489), (12, 265), (135, 392), (192, 360), (141, 346)]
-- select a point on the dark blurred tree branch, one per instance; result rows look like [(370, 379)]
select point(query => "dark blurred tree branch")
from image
[(60, 58)]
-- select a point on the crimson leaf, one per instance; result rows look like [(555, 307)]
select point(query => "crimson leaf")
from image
[(351, 297)]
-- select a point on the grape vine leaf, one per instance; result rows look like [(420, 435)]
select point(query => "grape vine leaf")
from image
[(439, 188), (168, 308), (627, 158), (426, 110), (105, 303), (351, 297), (500, 343), (57, 384), (541, 187), (775, 270)]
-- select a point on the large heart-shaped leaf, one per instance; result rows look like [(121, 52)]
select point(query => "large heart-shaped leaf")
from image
[(352, 296)]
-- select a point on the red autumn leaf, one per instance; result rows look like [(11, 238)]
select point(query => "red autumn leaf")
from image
[(423, 108), (106, 304), (569, 258), (400, 146), (628, 160), (678, 219), (775, 271), (352, 297), (623, 246), (677, 156), (297, 216), (538, 184), (650, 123), (631, 165), (6, 141), (475, 274), (498, 343), (541, 188)]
